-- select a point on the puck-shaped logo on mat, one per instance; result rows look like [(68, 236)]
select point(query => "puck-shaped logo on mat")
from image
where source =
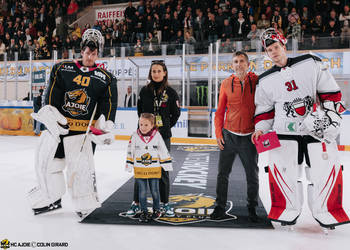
[(188, 208)]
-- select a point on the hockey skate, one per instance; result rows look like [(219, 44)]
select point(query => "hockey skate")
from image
[(49, 208)]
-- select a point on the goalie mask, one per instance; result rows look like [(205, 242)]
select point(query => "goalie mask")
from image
[(270, 36), (93, 39)]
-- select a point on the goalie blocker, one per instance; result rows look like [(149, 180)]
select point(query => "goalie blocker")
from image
[(324, 174)]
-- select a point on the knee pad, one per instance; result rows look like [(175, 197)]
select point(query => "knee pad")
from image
[(81, 176), (50, 178), (285, 189), (325, 192)]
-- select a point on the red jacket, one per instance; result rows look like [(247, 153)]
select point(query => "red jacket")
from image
[(237, 102)]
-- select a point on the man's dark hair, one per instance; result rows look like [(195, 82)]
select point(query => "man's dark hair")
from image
[(241, 53)]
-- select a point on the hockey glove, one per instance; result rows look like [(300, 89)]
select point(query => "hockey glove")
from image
[(102, 132), (324, 124), (53, 120)]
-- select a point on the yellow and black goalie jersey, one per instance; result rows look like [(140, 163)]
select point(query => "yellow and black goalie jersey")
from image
[(75, 90)]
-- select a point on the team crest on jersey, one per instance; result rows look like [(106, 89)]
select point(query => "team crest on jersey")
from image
[(146, 159), (76, 102), (298, 107)]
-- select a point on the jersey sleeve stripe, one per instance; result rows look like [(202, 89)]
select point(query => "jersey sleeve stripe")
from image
[(105, 73), (110, 102), (332, 96), (54, 82), (264, 116)]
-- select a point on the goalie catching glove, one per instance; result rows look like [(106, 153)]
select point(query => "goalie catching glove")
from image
[(102, 132), (324, 124), (53, 120)]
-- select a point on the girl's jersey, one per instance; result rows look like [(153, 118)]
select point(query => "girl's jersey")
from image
[(147, 155), (285, 96)]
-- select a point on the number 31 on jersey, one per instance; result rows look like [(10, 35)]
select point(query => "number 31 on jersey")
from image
[(82, 80), (291, 85)]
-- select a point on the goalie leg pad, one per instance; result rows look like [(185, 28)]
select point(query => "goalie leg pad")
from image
[(81, 176), (51, 185), (285, 189), (325, 192)]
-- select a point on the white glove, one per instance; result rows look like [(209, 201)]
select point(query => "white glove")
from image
[(322, 125), (53, 120), (102, 132), (128, 168)]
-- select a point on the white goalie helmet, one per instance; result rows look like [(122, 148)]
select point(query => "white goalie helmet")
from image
[(93, 39), (270, 36)]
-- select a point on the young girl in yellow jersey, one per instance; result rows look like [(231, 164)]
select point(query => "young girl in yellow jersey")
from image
[(147, 155)]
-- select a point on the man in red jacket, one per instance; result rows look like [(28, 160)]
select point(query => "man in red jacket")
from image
[(233, 134)]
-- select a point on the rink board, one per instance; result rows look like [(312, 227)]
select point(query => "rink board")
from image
[(192, 194)]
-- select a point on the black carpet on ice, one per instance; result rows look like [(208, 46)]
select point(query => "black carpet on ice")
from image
[(193, 184)]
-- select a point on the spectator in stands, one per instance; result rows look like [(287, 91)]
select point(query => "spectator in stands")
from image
[(151, 44), (269, 13), (22, 51), (276, 18), (176, 24), (344, 19), (138, 48), (166, 28), (38, 53), (188, 22), (227, 46), (199, 26), (263, 23), (45, 50), (87, 26), (57, 45), (141, 7), (32, 30), (333, 31), (220, 18), (254, 37), (226, 31), (72, 11), (116, 34), (2, 50), (240, 27), (97, 25), (212, 29), (333, 16), (62, 30), (157, 30), (130, 11), (2, 30), (76, 41), (317, 29), (67, 44), (294, 29), (77, 30), (190, 42), (140, 25), (305, 15), (293, 13), (178, 41), (29, 46)]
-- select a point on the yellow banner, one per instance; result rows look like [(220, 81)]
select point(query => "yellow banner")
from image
[(16, 121)]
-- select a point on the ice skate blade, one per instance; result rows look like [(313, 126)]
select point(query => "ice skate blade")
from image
[(54, 206)]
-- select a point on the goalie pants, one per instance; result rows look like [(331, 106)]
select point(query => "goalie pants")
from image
[(164, 184), (243, 147), (323, 171)]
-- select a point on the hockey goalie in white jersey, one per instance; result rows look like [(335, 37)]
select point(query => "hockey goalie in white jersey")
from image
[(286, 99)]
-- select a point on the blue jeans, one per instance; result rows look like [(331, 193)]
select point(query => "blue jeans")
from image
[(154, 187)]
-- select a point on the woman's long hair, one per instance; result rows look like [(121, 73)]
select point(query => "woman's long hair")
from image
[(151, 84)]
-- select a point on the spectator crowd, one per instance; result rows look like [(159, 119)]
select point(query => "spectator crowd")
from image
[(43, 26)]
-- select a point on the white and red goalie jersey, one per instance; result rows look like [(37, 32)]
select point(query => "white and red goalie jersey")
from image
[(285, 96)]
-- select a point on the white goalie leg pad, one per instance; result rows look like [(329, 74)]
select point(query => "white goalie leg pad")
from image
[(81, 176), (51, 185), (325, 192), (285, 189)]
